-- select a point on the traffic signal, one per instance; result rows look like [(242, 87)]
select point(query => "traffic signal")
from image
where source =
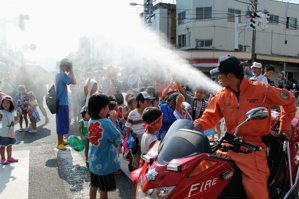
[(256, 19), (253, 21), (21, 21), (265, 20), (259, 17)]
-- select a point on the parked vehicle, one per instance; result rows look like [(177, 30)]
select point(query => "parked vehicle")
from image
[(184, 165)]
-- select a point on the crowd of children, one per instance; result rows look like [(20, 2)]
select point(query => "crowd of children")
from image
[(106, 124), (108, 120), (26, 105)]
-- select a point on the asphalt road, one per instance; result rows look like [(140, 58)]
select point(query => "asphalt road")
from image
[(60, 174)]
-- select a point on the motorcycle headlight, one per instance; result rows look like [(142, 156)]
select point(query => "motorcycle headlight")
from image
[(160, 193)]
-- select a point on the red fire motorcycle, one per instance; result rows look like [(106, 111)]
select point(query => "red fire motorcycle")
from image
[(184, 165)]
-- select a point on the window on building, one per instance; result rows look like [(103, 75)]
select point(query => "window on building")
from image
[(204, 43), (182, 17), (231, 15), (291, 23), (204, 13), (274, 19), (184, 40)]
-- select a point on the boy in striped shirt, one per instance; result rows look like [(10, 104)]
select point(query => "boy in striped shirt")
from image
[(135, 123)]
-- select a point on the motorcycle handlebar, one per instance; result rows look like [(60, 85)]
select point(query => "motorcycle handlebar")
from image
[(238, 142), (241, 142)]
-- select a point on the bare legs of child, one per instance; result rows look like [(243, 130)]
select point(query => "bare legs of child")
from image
[(9, 151), (60, 139), (21, 122), (93, 193), (33, 123), (213, 136), (130, 162), (2, 150), (86, 154), (218, 130)]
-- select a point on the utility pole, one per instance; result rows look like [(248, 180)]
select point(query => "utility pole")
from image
[(147, 11), (254, 5), (144, 11), (150, 10), (236, 33)]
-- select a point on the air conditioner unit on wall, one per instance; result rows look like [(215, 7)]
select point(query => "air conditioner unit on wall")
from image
[(244, 48)]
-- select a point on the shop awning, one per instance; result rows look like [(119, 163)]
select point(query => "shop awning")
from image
[(208, 63), (280, 59)]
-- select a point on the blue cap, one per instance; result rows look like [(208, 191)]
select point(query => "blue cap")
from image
[(227, 64)]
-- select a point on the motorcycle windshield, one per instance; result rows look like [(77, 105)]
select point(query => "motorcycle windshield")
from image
[(180, 141)]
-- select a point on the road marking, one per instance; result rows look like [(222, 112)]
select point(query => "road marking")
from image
[(14, 177)]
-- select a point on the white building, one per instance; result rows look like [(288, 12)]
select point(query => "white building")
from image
[(163, 21), (205, 30)]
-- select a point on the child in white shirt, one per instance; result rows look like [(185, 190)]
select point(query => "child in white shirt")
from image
[(152, 117)]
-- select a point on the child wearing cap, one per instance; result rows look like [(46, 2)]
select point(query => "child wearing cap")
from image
[(152, 117), (83, 130), (172, 110), (135, 123), (7, 134)]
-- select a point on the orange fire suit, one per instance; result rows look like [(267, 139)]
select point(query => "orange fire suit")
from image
[(253, 94)]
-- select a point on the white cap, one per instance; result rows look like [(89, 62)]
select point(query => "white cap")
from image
[(256, 65)]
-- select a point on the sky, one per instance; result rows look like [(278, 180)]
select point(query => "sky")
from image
[(56, 25)]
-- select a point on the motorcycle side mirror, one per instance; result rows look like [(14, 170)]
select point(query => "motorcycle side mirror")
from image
[(257, 113), (187, 108)]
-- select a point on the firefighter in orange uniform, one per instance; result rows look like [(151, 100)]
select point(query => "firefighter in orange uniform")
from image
[(232, 102)]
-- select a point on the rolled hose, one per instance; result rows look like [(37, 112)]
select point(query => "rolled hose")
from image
[(275, 165)]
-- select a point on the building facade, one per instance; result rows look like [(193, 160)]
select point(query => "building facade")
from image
[(163, 21), (206, 27)]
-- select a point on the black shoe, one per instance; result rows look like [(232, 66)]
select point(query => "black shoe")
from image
[(130, 168)]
